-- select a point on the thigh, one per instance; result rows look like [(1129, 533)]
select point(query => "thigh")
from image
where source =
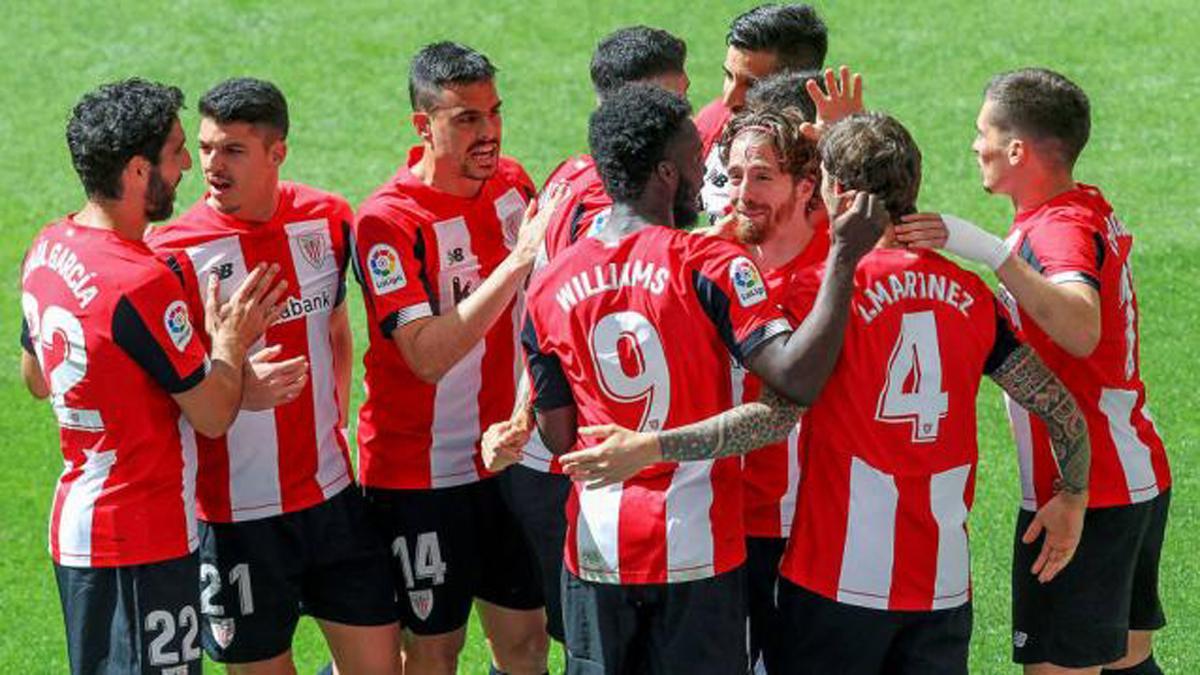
[(1145, 606), (538, 502), (600, 627), (431, 536), (1080, 618), (508, 574), (762, 573), (349, 577), (250, 582), (826, 636), (932, 643), (700, 627)]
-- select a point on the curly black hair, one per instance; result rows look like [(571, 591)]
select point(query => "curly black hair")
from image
[(786, 90), (635, 53), (795, 34), (441, 64), (246, 99), (115, 123), (629, 134)]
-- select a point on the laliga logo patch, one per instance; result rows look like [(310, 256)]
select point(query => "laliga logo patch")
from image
[(747, 283), (222, 630), (422, 602), (384, 265), (178, 326)]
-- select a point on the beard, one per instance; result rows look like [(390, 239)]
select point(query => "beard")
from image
[(754, 233), (160, 198)]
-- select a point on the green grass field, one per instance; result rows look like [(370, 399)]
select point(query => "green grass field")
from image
[(344, 72)]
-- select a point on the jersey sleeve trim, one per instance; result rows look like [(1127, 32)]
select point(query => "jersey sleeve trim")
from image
[(1005, 343), (1075, 277), (762, 335), (132, 335), (405, 316)]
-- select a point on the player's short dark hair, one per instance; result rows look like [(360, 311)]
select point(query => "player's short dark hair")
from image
[(1044, 106), (246, 99), (444, 64), (635, 53), (794, 33), (796, 152), (786, 90), (873, 152), (115, 123), (629, 134)]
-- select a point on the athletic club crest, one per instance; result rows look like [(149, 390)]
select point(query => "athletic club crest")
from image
[(422, 602), (222, 630), (312, 247)]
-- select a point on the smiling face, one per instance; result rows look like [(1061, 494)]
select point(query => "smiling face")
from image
[(241, 165), (764, 196), (742, 69), (463, 130)]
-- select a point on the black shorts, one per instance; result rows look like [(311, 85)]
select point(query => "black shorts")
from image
[(762, 573), (826, 636), (258, 576), (136, 619), (538, 500), (694, 627), (450, 546), (1082, 618)]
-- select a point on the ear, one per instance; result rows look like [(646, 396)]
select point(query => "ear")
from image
[(668, 172), (278, 152), (136, 174), (1017, 152), (421, 122)]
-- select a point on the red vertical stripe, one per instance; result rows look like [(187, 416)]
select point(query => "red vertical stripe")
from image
[(915, 550), (726, 514), (642, 528)]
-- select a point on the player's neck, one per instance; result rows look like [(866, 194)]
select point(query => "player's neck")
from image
[(127, 220), (630, 216), (445, 176), (1040, 188), (254, 210), (785, 243)]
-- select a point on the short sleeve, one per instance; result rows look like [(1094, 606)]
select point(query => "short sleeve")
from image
[(732, 292), (1067, 249), (550, 386), (340, 223), (389, 262), (1005, 343), (26, 339), (153, 325)]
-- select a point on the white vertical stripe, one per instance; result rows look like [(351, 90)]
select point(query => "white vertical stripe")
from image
[(1117, 405), (946, 501), (597, 533), (455, 430), (787, 504), (318, 278), (689, 522), (1018, 419), (737, 381), (187, 441), (75, 518), (866, 575)]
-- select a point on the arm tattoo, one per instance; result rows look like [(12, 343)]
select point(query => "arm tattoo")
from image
[(734, 432), (1031, 384)]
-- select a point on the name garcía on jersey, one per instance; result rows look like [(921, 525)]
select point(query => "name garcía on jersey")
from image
[(914, 286), (67, 265), (613, 276)]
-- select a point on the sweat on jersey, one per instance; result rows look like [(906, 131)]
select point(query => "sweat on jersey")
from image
[(638, 331), (889, 447), (295, 455), (110, 328), (1076, 237), (419, 252)]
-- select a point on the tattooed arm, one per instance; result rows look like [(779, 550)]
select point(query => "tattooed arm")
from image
[(622, 452), (1031, 384)]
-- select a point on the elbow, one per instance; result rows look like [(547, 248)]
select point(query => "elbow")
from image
[(215, 427), (427, 372), (1083, 342)]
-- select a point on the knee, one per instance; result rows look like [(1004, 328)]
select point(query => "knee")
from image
[(523, 652), (433, 654)]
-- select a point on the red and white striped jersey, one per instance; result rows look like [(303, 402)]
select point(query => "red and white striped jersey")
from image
[(296, 455), (1075, 237), (420, 252), (889, 447), (710, 122), (108, 323), (637, 330), (771, 474)]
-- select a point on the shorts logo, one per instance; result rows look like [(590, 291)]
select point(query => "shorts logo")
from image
[(1019, 639), (222, 630), (747, 283), (179, 327), (312, 248), (384, 266), (422, 602)]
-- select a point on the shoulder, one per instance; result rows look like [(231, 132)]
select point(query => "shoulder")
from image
[(310, 200), (392, 205), (513, 174), (192, 226)]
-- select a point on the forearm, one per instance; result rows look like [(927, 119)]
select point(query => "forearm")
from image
[(734, 432), (212, 406), (31, 373), (442, 341), (342, 345), (1036, 388), (1068, 313), (558, 428)]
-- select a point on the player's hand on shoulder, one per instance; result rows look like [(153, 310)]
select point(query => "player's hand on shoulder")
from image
[(536, 219), (253, 307), (860, 221), (922, 230), (502, 444), (269, 383), (620, 455)]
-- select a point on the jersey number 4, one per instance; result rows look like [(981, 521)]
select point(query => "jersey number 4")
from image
[(912, 393), (629, 358)]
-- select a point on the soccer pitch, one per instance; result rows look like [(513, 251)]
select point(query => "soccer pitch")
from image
[(344, 72)]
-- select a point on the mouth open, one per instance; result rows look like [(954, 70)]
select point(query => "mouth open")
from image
[(218, 184)]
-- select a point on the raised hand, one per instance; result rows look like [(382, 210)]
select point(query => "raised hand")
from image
[(859, 224), (536, 219), (619, 456), (842, 97), (1061, 520), (269, 383)]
